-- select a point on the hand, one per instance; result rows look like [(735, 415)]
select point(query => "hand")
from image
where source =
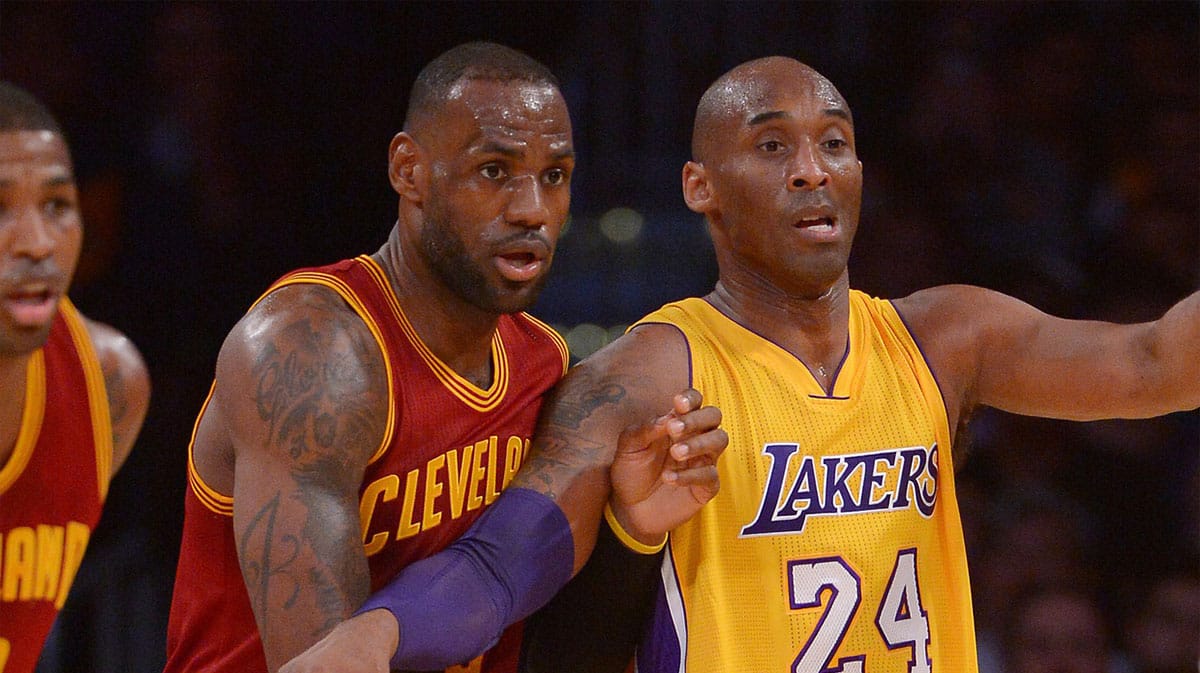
[(665, 470), (362, 644)]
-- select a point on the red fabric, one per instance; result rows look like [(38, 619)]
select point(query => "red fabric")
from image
[(48, 513)]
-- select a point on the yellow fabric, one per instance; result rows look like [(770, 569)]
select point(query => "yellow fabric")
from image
[(801, 563)]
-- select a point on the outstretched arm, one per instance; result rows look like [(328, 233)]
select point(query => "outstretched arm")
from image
[(542, 529), (991, 349), (301, 398)]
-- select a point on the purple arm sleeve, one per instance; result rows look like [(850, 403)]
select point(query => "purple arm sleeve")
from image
[(454, 605)]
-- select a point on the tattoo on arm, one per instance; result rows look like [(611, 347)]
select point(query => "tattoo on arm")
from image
[(561, 449), (319, 392), (272, 565)]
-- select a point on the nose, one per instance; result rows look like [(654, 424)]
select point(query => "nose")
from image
[(31, 235), (807, 172), (527, 205)]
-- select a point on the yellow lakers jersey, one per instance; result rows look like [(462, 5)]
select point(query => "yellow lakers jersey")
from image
[(835, 542)]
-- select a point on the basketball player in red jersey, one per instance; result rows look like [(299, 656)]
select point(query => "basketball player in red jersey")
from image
[(365, 413), (73, 392)]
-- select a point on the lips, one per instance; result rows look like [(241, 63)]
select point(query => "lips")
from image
[(817, 224), (522, 261), (30, 306)]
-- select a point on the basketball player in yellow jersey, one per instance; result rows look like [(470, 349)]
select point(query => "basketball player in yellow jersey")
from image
[(834, 544)]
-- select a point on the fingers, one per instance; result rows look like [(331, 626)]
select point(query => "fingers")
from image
[(703, 480), (639, 437), (688, 400), (687, 422)]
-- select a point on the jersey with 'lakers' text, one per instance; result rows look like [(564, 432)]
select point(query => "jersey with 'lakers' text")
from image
[(52, 487), (449, 449), (835, 542)]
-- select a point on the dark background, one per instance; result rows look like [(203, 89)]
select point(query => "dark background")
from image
[(1048, 150)]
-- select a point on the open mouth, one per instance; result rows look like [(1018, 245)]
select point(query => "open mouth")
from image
[(817, 224), (30, 307), (519, 266)]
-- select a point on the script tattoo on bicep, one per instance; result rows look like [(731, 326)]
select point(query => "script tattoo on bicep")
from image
[(294, 392)]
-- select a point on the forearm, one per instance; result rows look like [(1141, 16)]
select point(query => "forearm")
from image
[(453, 606)]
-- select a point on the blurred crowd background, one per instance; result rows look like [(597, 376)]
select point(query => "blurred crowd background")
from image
[(1047, 150)]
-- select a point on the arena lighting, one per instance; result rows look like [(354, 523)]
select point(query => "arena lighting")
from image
[(622, 225), (585, 339)]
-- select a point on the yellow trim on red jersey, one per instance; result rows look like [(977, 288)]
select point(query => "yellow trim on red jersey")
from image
[(563, 349), (98, 403), (470, 394), (31, 420), (215, 502)]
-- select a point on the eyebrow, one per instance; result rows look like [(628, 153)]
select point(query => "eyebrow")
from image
[(493, 147), (56, 181), (764, 117)]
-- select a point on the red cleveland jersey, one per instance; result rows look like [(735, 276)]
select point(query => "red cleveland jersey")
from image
[(449, 449), (52, 488)]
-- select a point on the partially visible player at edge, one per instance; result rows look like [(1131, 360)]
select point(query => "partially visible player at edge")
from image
[(835, 542), (365, 413), (73, 392)]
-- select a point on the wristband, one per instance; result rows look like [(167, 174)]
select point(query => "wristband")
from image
[(627, 539)]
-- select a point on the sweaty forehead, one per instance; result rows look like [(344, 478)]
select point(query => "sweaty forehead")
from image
[(22, 149), (743, 98), (503, 108)]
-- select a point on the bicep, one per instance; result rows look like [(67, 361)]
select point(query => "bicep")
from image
[(1012, 356), (302, 396)]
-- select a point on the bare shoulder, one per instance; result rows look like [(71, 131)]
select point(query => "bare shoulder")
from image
[(301, 373), (948, 318), (127, 382)]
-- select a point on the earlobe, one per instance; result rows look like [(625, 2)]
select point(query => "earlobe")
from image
[(697, 193), (405, 167)]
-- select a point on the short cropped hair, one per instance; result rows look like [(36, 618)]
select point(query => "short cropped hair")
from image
[(486, 61), (20, 111)]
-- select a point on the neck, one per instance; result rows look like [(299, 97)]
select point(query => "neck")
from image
[(814, 329), (458, 333)]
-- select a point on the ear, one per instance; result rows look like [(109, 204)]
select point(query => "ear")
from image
[(697, 193), (406, 167)]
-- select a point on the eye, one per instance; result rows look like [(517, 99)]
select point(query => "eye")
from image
[(555, 177), (836, 143), (771, 146), (492, 171), (58, 207)]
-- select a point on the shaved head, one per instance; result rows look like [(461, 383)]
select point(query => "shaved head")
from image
[(745, 93)]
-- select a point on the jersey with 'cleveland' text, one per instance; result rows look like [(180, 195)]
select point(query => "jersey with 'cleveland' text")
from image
[(449, 449), (835, 542), (52, 487)]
